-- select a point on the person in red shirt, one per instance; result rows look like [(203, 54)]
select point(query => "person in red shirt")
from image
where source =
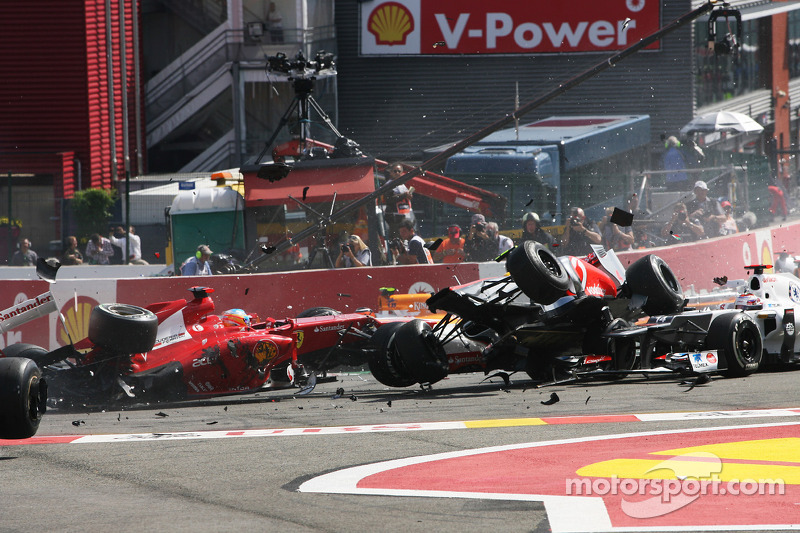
[(452, 249)]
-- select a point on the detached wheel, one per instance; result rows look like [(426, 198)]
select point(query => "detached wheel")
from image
[(318, 311), (23, 398), (537, 272), (383, 358), (737, 337), (651, 276), (421, 353), (123, 328)]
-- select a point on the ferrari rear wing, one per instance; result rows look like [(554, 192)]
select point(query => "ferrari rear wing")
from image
[(31, 309)]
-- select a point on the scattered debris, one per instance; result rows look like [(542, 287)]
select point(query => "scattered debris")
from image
[(553, 399), (721, 280), (77, 423), (504, 375), (305, 192), (211, 423), (161, 414), (339, 394), (353, 398), (702, 379), (587, 401), (389, 403)]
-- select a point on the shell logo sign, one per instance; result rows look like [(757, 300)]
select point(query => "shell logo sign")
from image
[(390, 23), (76, 313), (440, 27)]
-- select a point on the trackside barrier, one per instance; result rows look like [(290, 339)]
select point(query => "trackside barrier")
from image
[(284, 294)]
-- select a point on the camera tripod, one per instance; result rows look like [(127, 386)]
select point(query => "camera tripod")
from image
[(301, 104), (319, 247)]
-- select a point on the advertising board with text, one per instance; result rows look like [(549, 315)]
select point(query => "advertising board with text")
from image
[(442, 27)]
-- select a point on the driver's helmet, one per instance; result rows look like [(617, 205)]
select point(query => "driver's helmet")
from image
[(748, 301), (236, 317)]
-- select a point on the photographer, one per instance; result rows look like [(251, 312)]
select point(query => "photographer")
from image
[(480, 245), (579, 234), (706, 210), (413, 253), (354, 253), (682, 228)]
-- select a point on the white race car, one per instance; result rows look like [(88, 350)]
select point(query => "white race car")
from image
[(737, 338)]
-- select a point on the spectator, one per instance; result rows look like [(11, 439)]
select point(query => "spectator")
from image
[(452, 249), (728, 226), (24, 256), (706, 210), (615, 237), (198, 265), (414, 252), (778, 201), (532, 231), (674, 160), (275, 24), (99, 250), (354, 254), (398, 202), (682, 228), (579, 234), (503, 243), (480, 246), (119, 239), (72, 256)]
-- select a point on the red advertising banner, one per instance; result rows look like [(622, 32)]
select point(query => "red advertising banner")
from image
[(441, 27)]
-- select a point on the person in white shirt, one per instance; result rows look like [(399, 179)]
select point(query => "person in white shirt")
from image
[(135, 250), (503, 243)]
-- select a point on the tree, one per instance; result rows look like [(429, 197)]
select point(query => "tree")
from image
[(92, 210)]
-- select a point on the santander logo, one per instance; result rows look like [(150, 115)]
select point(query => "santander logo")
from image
[(390, 23)]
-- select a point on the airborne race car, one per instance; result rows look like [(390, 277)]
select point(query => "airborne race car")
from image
[(567, 317)]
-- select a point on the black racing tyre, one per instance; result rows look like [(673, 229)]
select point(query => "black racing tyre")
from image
[(23, 398), (318, 311), (651, 276), (37, 354), (123, 328), (737, 337), (382, 359), (421, 353), (537, 272)]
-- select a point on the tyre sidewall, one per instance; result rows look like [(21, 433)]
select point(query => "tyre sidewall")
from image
[(725, 334), (20, 381), (651, 276), (130, 333), (380, 359), (533, 277)]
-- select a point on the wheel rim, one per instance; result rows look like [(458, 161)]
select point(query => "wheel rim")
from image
[(748, 345), (550, 262)]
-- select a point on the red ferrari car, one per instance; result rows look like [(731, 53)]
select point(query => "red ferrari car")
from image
[(180, 349)]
